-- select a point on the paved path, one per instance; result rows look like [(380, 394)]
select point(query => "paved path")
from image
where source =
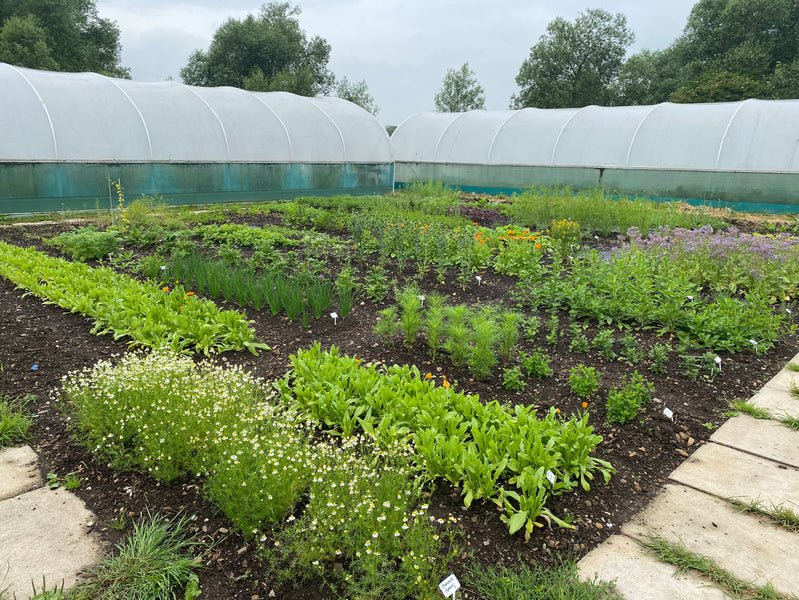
[(43, 532), (747, 459)]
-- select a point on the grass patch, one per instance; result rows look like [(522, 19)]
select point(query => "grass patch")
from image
[(157, 559), (792, 422), (536, 583), (792, 367), (781, 515), (14, 423), (747, 408), (685, 560)]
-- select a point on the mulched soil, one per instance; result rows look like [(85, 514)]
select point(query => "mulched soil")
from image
[(41, 343)]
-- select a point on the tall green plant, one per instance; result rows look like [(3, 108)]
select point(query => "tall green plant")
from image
[(485, 335), (410, 304)]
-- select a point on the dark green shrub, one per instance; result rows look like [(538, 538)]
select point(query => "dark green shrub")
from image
[(624, 404), (583, 380), (86, 243)]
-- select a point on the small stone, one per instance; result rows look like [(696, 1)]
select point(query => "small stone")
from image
[(599, 525), (632, 454), (638, 487), (691, 441), (223, 530), (272, 593), (681, 452), (486, 542), (588, 503), (438, 369), (241, 550), (255, 597)]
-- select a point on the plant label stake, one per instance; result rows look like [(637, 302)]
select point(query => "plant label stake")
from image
[(449, 586), (334, 317), (668, 413), (479, 279), (421, 299), (551, 477), (717, 360)]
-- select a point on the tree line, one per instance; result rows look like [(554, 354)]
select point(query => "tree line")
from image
[(728, 50)]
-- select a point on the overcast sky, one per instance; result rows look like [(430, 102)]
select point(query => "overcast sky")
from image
[(402, 48)]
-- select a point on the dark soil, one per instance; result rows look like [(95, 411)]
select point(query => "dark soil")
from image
[(41, 343)]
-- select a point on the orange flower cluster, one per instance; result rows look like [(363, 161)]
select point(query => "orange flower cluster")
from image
[(521, 236), (479, 237)]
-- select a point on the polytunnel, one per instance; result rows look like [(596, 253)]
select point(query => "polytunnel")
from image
[(65, 137), (741, 153)]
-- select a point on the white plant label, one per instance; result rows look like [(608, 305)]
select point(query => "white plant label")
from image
[(551, 477), (717, 360), (334, 316), (479, 279), (449, 586), (667, 412), (421, 299)]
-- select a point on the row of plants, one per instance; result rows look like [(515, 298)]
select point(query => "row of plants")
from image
[(149, 314), (492, 452), (310, 501), (301, 294), (600, 211), (630, 289), (473, 338)]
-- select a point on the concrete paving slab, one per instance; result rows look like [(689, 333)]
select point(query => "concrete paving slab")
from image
[(744, 544), (777, 402), (44, 532), (639, 576), (764, 437), (18, 472), (785, 378), (725, 472)]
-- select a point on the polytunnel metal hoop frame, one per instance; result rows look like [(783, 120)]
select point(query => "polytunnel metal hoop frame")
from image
[(213, 112), (138, 112), (44, 107)]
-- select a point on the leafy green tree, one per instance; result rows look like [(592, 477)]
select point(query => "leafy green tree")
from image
[(357, 93), (265, 52), (732, 49), (460, 91), (720, 86), (574, 64), (646, 78), (24, 43), (67, 35)]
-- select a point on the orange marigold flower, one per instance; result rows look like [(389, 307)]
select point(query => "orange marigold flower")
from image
[(446, 384), (474, 223), (538, 245), (557, 411), (189, 293), (429, 376), (165, 288), (585, 404)]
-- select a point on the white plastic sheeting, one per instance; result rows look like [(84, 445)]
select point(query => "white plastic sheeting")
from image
[(751, 135), (74, 117)]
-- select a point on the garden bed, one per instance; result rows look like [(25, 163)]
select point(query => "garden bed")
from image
[(42, 343)]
